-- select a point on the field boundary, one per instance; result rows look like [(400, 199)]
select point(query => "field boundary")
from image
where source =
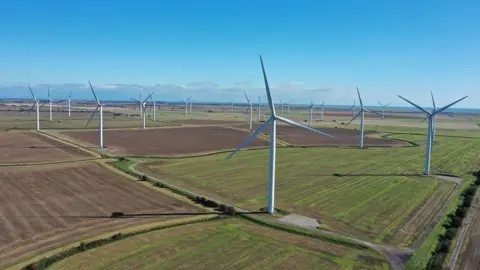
[(90, 152), (43, 260)]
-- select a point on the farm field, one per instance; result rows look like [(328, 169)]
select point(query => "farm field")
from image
[(168, 141), (44, 207), (470, 257), (376, 194), (343, 137), (29, 147), (230, 243)]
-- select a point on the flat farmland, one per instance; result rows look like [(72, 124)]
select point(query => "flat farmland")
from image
[(230, 244), (168, 141), (44, 207), (470, 256), (376, 194), (28, 147), (343, 137)]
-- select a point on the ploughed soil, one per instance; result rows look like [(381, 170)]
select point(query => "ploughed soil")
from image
[(29, 147), (44, 207), (178, 141), (204, 122), (343, 137)]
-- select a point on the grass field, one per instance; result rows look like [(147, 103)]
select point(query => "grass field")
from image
[(231, 244), (379, 194)]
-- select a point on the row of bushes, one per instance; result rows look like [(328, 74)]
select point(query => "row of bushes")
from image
[(453, 223), (44, 263), (226, 209)]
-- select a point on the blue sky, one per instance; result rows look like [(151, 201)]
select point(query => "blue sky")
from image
[(210, 49)]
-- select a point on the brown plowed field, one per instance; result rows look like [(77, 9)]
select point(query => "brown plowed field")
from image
[(47, 206), (343, 137), (169, 141), (28, 147), (204, 122)]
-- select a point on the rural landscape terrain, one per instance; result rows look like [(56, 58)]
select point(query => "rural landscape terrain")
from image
[(166, 196)]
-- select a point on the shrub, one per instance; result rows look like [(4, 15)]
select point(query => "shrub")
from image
[(32, 266), (122, 159), (456, 222), (117, 236), (144, 178), (230, 210), (461, 212), (444, 246), (82, 247), (470, 191), (450, 233), (467, 202), (477, 182)]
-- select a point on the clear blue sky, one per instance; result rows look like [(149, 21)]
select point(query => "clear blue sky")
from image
[(209, 49)]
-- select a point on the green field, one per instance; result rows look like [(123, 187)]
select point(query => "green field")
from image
[(231, 244), (374, 197)]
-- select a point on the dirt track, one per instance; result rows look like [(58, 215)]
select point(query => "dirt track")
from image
[(204, 122), (169, 141), (44, 207), (28, 147), (343, 137)]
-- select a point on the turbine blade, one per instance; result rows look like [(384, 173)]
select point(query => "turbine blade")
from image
[(248, 100), (380, 103), (424, 119), (449, 105), (149, 96), (188, 99), (293, 123), (388, 104), (359, 97), (267, 88), (69, 96), (93, 115), (251, 137), (415, 105), (33, 95), (374, 112), (93, 91), (353, 118), (31, 109), (433, 101), (136, 100), (43, 104)]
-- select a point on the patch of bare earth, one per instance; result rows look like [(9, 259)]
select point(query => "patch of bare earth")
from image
[(169, 141), (44, 207), (29, 147), (343, 137)]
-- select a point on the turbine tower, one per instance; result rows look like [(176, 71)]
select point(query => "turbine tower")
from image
[(431, 116), (35, 104), (141, 109), (99, 106), (310, 116), (353, 108), (50, 103), (191, 102), (272, 121), (281, 104), (362, 119), (288, 107), (69, 105), (259, 106), (186, 105), (250, 117), (323, 111), (383, 108)]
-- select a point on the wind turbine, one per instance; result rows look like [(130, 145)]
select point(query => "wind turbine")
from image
[(431, 119), (259, 106), (69, 105), (272, 121), (251, 111), (281, 104), (191, 106), (310, 116), (232, 106), (50, 103), (353, 108), (144, 106), (154, 109), (141, 107), (362, 119), (383, 108), (35, 104), (186, 106), (288, 106), (99, 106), (323, 110)]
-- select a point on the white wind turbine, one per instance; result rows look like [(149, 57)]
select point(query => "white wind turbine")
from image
[(281, 104), (383, 108), (362, 119), (431, 118), (288, 106), (50, 103), (69, 104), (191, 102), (259, 107), (35, 104), (250, 108), (99, 106), (272, 121), (186, 106), (310, 115), (144, 107), (323, 111)]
